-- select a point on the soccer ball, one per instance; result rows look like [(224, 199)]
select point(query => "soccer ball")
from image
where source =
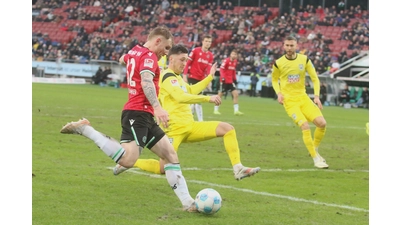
[(208, 201)]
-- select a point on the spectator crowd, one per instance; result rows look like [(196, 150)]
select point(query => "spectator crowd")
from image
[(125, 22)]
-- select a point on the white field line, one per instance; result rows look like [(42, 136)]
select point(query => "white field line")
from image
[(282, 170), (137, 171), (254, 123)]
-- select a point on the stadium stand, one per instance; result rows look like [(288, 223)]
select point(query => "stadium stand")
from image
[(81, 30)]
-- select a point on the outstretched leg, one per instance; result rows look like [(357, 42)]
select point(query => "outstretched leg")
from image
[(108, 145), (228, 133)]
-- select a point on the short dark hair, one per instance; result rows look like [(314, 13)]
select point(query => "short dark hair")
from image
[(290, 38), (177, 49)]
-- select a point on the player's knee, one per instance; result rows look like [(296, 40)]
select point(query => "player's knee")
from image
[(128, 159), (127, 163), (305, 126), (171, 156), (320, 122), (235, 93), (223, 128)]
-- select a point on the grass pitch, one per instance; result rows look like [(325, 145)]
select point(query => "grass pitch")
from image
[(74, 184)]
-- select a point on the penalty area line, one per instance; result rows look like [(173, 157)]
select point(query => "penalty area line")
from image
[(136, 171)]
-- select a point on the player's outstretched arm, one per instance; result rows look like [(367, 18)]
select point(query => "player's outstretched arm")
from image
[(213, 70)]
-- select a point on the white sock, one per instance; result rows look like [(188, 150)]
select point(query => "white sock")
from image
[(236, 107), (216, 107), (199, 112), (177, 182), (237, 167), (192, 108), (108, 145)]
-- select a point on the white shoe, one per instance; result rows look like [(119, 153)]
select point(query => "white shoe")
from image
[(216, 112), (320, 162), (316, 149), (75, 127), (246, 172), (323, 160), (119, 169)]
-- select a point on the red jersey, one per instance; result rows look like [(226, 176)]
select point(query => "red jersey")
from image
[(200, 63), (228, 70), (138, 60)]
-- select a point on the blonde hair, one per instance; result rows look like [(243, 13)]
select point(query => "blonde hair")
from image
[(160, 31)]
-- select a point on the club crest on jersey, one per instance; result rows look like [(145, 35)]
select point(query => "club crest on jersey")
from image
[(148, 63), (174, 83), (301, 66)]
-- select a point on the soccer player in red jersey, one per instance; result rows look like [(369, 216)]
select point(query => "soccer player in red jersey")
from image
[(227, 79), (141, 116), (175, 96), (197, 68)]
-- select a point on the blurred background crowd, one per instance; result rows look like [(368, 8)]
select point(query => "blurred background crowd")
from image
[(84, 30)]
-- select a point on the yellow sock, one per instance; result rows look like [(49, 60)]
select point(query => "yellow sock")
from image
[(149, 165), (232, 147), (308, 141), (319, 133)]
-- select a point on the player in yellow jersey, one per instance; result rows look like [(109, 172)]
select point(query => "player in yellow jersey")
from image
[(162, 63), (288, 81), (175, 97)]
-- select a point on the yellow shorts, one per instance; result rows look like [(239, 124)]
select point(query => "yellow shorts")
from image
[(193, 132), (301, 109)]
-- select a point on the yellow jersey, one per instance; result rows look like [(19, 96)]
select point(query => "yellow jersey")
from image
[(162, 63), (289, 76), (176, 96)]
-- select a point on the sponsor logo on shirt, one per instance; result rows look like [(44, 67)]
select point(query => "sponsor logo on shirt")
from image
[(174, 83), (202, 61), (148, 63), (293, 78), (134, 52)]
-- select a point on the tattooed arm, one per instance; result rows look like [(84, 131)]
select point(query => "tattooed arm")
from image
[(150, 91)]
